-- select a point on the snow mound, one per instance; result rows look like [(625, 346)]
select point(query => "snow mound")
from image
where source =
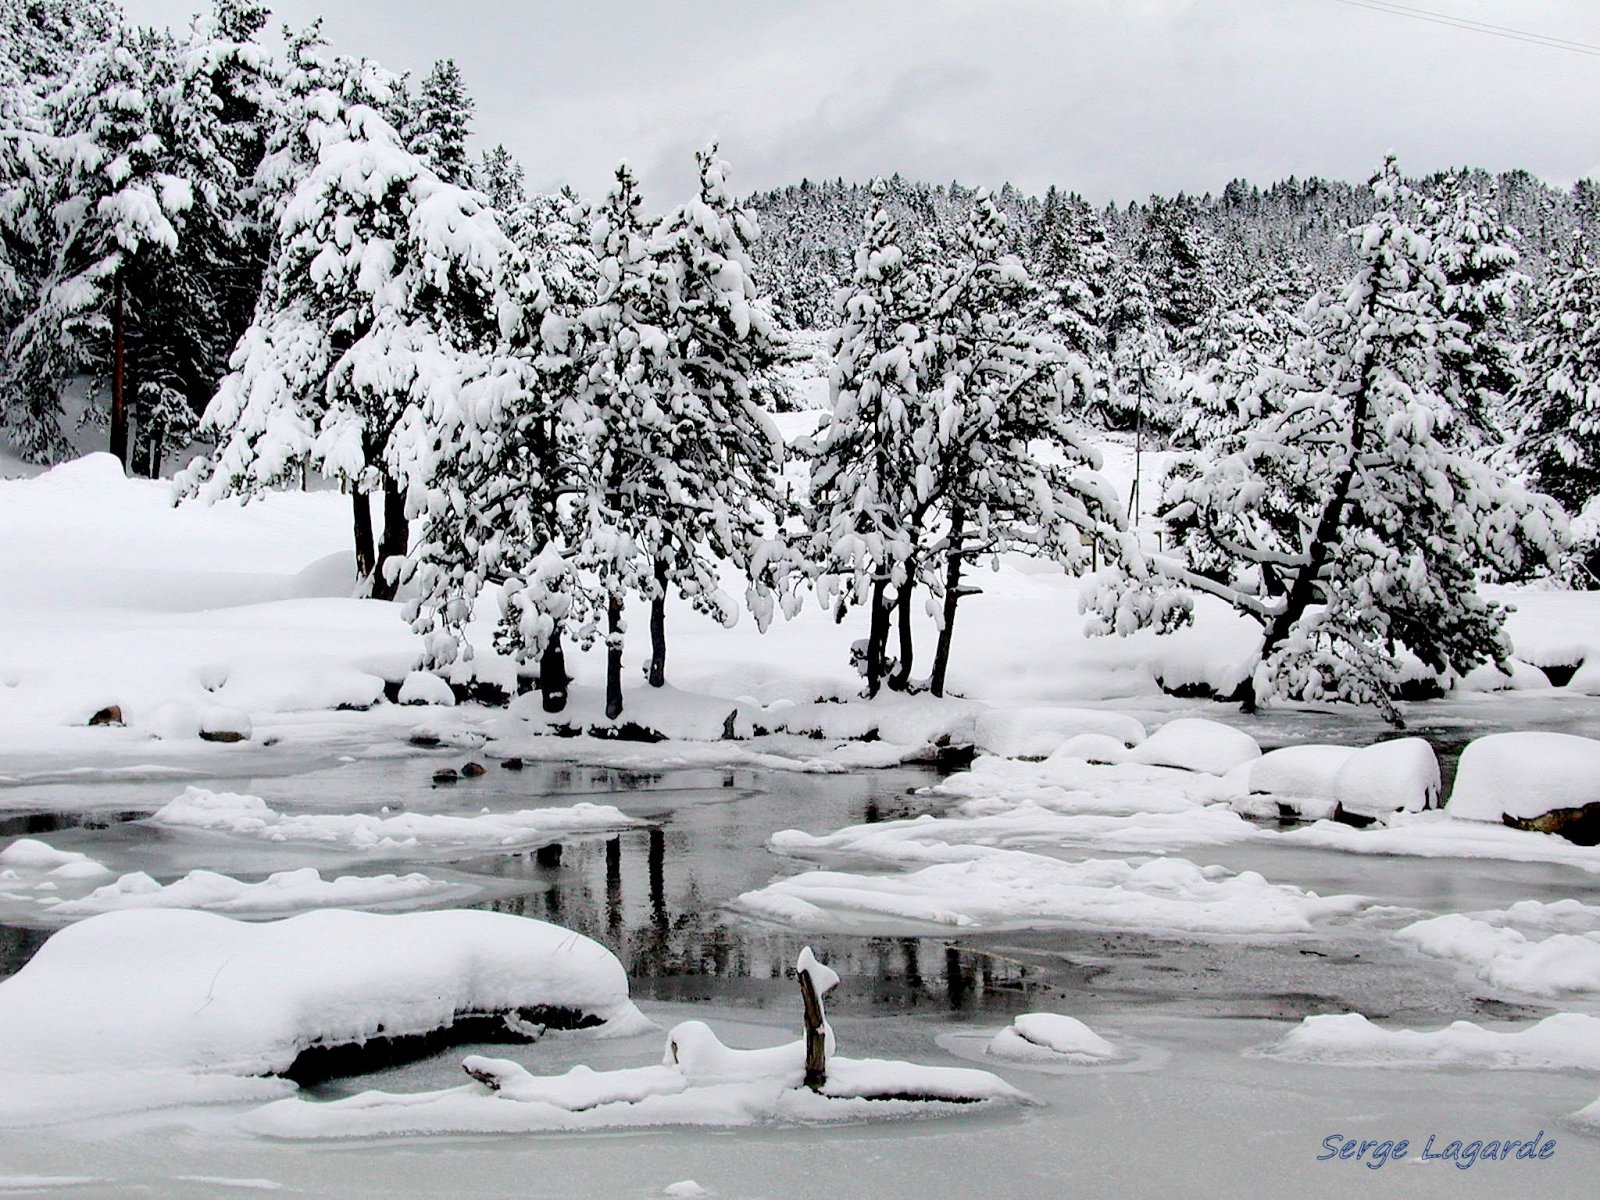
[(701, 1082), (1508, 958), (1299, 772), (1401, 775), (424, 687), (1196, 744), (202, 993), (250, 816), (1562, 1042), (1525, 775), (1523, 677), (1013, 889), (1050, 1037), (1036, 732), (32, 855), (279, 893)]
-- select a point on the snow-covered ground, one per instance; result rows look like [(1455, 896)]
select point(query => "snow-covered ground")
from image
[(1113, 847)]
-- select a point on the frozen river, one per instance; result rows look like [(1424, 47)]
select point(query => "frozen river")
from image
[(1191, 1112)]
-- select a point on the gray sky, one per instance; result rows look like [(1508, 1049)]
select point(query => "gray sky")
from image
[(1113, 98)]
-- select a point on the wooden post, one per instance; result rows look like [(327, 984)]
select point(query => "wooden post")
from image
[(119, 401), (816, 981)]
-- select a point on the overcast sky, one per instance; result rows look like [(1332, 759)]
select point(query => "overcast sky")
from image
[(1113, 98)]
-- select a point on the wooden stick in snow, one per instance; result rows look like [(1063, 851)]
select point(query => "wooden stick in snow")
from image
[(816, 981)]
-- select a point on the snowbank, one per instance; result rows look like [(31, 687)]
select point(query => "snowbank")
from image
[(195, 992), (1013, 889), (1525, 775), (250, 816), (1508, 958), (1439, 835), (1050, 1038), (1036, 732), (1068, 784), (1562, 1042)]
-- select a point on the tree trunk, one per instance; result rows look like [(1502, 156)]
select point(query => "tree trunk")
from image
[(877, 637), (553, 673), (952, 597), (396, 540), (658, 629), (613, 658), (119, 399), (900, 681), (816, 1032), (361, 509)]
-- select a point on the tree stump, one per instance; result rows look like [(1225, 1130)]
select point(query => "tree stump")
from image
[(816, 981)]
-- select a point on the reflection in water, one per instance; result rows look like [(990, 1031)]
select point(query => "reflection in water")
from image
[(36, 823), (639, 894)]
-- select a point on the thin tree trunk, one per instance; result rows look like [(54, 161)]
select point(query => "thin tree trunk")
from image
[(553, 673), (396, 540), (614, 658), (952, 597), (361, 509), (877, 637), (900, 681), (658, 629), (119, 399)]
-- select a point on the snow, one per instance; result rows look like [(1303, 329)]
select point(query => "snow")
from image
[(1400, 775), (250, 816), (684, 1187), (1525, 775), (279, 893), (200, 993), (1036, 732), (700, 1081), (425, 687), (1507, 958), (1014, 889), (1050, 1037), (1196, 744), (1560, 1042)]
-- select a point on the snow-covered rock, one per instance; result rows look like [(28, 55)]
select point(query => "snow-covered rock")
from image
[(196, 992), (1298, 771), (175, 721), (1523, 677), (424, 687), (1035, 732), (221, 724), (1196, 744), (1092, 748), (1401, 775), (1525, 775), (1050, 1037)]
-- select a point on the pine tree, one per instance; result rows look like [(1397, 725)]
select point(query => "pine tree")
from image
[(1004, 466), (1558, 397), (863, 506), (438, 130), (501, 178), (1351, 519), (387, 286)]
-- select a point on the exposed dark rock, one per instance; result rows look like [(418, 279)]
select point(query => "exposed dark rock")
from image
[(111, 714), (227, 736), (511, 764), (472, 770), (446, 775), (1581, 825)]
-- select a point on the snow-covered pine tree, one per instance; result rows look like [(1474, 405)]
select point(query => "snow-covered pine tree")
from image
[(501, 178), (438, 129), (1558, 400), (131, 163), (863, 490), (387, 286), (722, 471), (1003, 465), (1352, 518)]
